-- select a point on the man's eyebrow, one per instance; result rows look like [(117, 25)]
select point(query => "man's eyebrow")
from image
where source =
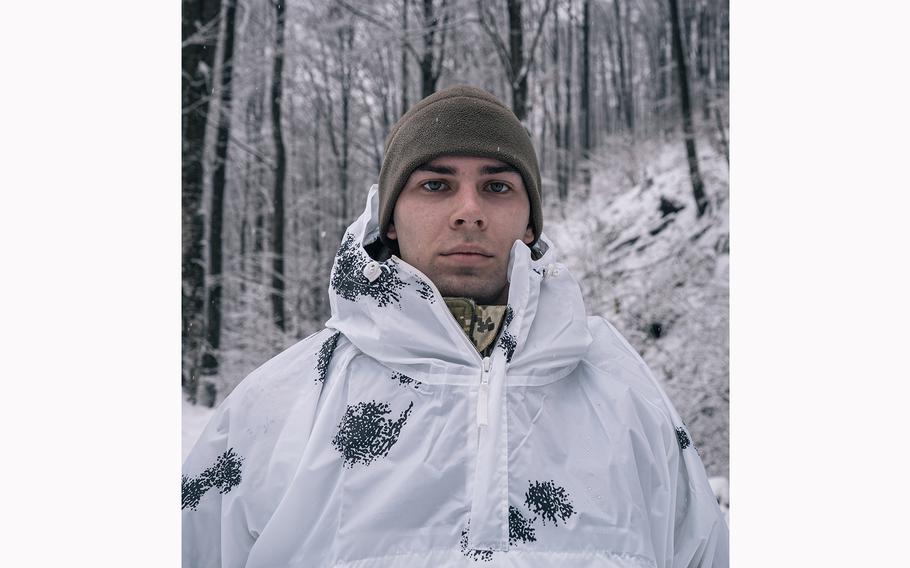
[(490, 170), (443, 170)]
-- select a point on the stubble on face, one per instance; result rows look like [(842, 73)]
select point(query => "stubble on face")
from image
[(485, 286), (456, 220)]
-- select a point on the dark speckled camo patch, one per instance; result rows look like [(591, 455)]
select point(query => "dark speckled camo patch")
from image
[(507, 341), (549, 501), (683, 438), (365, 434), (474, 554), (325, 356), (426, 292), (521, 529), (224, 474), (405, 380), (349, 282)]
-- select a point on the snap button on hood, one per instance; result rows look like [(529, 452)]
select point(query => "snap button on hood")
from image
[(372, 271)]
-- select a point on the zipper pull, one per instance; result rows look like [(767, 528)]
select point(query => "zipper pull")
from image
[(482, 393)]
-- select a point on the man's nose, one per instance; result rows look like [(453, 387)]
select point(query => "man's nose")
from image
[(468, 209)]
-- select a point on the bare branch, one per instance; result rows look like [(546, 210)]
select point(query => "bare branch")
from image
[(330, 115), (446, 16), (429, 20), (360, 13), (530, 60), (489, 28), (376, 21), (204, 34), (251, 151)]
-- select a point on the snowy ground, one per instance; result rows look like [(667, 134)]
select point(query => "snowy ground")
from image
[(195, 417), (721, 488)]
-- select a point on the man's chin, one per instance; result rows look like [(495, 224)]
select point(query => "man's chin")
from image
[(481, 293)]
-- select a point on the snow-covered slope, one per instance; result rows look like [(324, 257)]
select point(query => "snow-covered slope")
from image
[(659, 273)]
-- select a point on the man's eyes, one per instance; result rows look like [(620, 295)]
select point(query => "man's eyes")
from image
[(434, 186)]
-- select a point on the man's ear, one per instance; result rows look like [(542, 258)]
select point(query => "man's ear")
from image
[(391, 233), (529, 236)]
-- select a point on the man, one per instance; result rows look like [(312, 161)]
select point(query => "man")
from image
[(459, 407)]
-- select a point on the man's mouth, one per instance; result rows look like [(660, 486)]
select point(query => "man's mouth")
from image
[(467, 255), (467, 251)]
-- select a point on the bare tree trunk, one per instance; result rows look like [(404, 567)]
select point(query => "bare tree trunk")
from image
[(704, 63), (517, 62), (386, 90), (616, 116), (630, 52), (612, 37), (585, 114), (542, 133), (514, 60), (259, 198), (346, 37), (216, 213), (567, 113), (624, 89), (278, 285), (605, 124), (376, 141), (405, 80), (725, 51), (722, 134), (316, 233), (259, 233), (427, 78), (199, 23), (663, 80), (651, 87), (569, 138), (254, 185), (558, 130), (698, 190), (326, 104)]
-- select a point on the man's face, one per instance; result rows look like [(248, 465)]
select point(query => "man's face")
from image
[(456, 220)]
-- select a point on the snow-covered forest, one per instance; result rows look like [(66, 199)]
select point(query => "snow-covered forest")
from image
[(286, 106)]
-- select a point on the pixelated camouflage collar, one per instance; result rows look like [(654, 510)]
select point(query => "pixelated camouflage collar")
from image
[(480, 323)]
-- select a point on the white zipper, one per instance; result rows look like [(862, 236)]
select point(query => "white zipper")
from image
[(483, 392), (486, 363)]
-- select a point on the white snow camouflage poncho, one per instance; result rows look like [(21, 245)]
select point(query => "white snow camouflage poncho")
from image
[(386, 440)]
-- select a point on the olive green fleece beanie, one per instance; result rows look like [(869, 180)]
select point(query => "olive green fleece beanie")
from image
[(462, 121)]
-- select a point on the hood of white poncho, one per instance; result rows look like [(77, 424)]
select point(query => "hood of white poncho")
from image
[(393, 313)]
